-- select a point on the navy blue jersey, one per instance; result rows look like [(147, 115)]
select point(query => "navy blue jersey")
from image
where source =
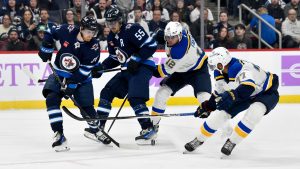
[(88, 53), (132, 41)]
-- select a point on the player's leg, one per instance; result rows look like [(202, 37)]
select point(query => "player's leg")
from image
[(261, 106), (138, 94), (84, 96), (51, 92)]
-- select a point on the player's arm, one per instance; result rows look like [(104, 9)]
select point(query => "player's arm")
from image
[(47, 48)]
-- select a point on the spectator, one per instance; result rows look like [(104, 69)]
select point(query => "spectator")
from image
[(34, 9), (124, 5), (138, 19), (240, 40), (182, 11), (222, 39), (103, 38), (295, 4), (223, 16), (45, 19), (164, 12), (267, 34), (48, 4), (99, 11), (208, 30), (280, 2), (145, 14), (291, 30), (27, 27), (70, 18), (13, 43), (275, 10), (157, 27), (12, 9), (77, 10), (195, 14), (170, 5), (5, 26), (176, 18), (37, 39)]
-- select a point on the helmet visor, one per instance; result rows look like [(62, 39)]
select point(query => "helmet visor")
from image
[(111, 24), (89, 32)]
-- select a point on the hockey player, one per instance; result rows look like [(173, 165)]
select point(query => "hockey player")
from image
[(240, 86), (186, 65), (74, 64), (131, 47)]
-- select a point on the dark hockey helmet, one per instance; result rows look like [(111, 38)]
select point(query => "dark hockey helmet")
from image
[(113, 14), (89, 22)]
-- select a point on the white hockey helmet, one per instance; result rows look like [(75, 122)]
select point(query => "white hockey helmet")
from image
[(173, 29), (219, 55)]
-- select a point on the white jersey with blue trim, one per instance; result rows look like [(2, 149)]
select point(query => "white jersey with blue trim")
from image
[(183, 57), (241, 72)]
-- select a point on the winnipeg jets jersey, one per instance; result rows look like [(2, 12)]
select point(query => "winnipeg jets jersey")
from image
[(183, 57), (243, 73), (88, 53), (131, 42)]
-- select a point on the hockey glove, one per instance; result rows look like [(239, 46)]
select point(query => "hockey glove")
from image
[(45, 51), (204, 110), (69, 90), (132, 66), (227, 100), (95, 71)]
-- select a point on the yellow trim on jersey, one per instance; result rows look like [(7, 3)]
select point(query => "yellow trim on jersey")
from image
[(232, 79), (154, 113), (240, 132), (270, 82), (205, 132), (201, 62), (189, 44), (249, 84), (219, 77), (160, 71)]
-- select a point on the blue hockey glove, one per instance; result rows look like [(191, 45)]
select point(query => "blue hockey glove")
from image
[(45, 52), (204, 110), (227, 100), (132, 66), (70, 89), (95, 71)]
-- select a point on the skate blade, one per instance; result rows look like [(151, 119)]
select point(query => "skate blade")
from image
[(61, 148), (143, 142), (224, 156)]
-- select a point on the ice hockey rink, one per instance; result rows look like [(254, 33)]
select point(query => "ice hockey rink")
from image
[(26, 138)]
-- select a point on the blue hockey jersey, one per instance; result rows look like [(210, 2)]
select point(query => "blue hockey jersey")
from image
[(131, 42), (88, 53)]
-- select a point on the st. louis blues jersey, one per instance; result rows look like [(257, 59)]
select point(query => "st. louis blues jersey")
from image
[(243, 73), (183, 57), (88, 53), (131, 42)]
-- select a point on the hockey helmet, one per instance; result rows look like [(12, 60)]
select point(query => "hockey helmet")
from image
[(89, 22), (113, 14), (173, 29), (219, 55)]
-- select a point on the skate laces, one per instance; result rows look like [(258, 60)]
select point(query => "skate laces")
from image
[(195, 143), (229, 145)]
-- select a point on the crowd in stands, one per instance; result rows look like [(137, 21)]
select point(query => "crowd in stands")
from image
[(23, 22)]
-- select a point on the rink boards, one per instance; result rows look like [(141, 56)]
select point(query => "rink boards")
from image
[(18, 91)]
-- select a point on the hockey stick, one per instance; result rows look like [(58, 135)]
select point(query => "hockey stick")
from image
[(112, 70), (67, 111), (75, 102), (112, 123), (32, 76)]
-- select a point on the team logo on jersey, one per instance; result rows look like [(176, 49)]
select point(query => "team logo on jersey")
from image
[(71, 27), (69, 62), (66, 44), (121, 55), (77, 45), (95, 47), (128, 26)]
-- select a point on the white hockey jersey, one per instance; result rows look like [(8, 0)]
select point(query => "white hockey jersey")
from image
[(183, 57), (241, 72)]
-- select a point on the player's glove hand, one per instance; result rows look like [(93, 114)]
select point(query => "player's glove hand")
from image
[(96, 71), (69, 90), (45, 52), (227, 100), (132, 66), (204, 110), (156, 73)]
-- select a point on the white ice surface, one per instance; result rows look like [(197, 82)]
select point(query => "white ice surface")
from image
[(26, 138)]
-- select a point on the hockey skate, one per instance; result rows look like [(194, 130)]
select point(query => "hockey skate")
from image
[(60, 143), (96, 136), (228, 147), (192, 145), (147, 136)]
